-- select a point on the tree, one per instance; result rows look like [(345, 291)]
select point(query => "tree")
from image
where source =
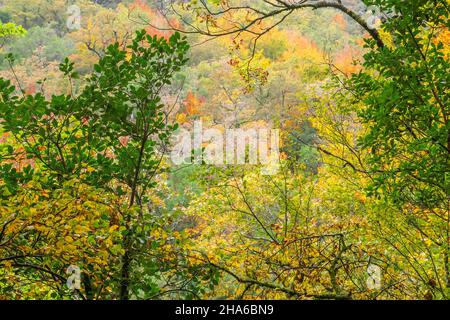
[(36, 13), (9, 30), (404, 93), (44, 231), (285, 236), (104, 26), (256, 18), (111, 135), (404, 88), (45, 39)]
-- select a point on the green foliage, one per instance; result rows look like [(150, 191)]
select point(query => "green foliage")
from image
[(406, 97), (32, 13), (46, 39), (10, 30), (111, 135), (5, 17), (405, 93)]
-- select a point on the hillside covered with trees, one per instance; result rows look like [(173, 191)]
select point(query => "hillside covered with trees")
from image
[(119, 179)]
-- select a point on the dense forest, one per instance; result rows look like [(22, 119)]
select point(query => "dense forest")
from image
[(224, 149)]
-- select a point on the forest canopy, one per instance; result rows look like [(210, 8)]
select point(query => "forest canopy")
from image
[(231, 149)]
